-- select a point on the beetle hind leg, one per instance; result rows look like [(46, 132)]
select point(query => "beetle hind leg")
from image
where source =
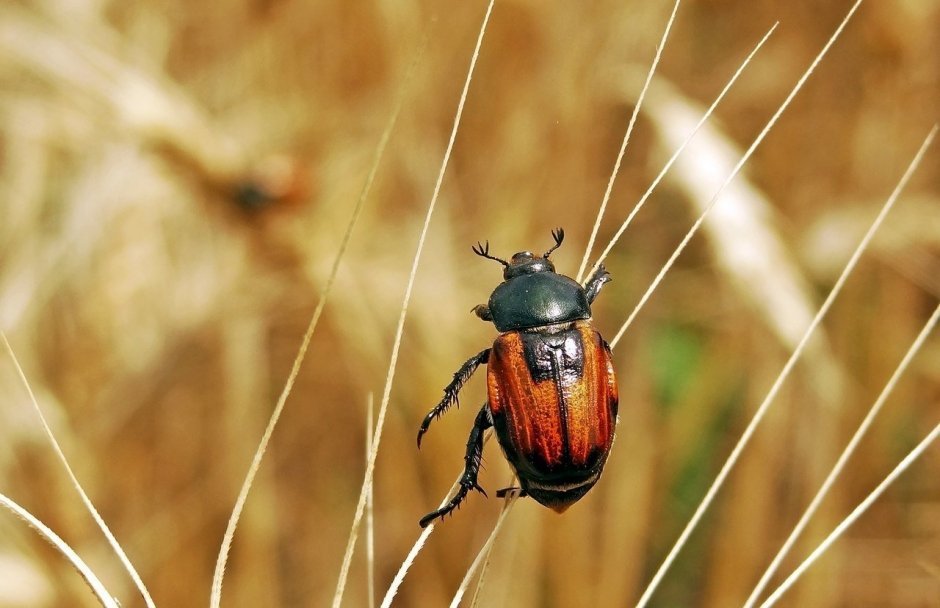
[(472, 461), (450, 392)]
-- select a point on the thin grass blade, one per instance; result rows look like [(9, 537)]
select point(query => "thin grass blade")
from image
[(853, 516), (856, 438), (393, 362), (115, 545), (96, 586), (626, 140), (675, 155), (484, 553), (747, 155), (219, 573)]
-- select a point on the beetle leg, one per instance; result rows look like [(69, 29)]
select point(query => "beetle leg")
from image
[(482, 311), (468, 481), (450, 392), (594, 284)]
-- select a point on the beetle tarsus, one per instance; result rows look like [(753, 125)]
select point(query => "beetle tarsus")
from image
[(472, 461), (443, 511), (594, 284), (450, 391), (512, 489)]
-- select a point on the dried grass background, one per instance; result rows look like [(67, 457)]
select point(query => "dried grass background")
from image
[(157, 313)]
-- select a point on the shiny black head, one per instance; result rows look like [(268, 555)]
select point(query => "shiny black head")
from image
[(532, 294), (524, 262)]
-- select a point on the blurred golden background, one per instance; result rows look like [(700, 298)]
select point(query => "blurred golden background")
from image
[(175, 180)]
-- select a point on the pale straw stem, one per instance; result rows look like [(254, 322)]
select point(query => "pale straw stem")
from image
[(675, 155), (484, 552), (737, 168), (215, 597), (370, 511), (86, 573), (390, 376), (419, 543), (843, 458), (854, 515), (115, 546), (626, 139), (759, 415)]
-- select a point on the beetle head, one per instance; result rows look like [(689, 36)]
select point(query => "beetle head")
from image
[(524, 262)]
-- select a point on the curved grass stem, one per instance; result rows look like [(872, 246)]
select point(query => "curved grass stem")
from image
[(762, 409), (843, 458), (393, 360), (483, 555), (737, 169), (853, 516), (626, 140), (215, 597), (90, 577), (115, 545), (675, 155)]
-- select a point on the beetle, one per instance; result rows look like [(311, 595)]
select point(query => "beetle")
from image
[(551, 390)]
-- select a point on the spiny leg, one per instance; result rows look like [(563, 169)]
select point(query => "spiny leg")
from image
[(594, 284), (450, 392), (468, 481)]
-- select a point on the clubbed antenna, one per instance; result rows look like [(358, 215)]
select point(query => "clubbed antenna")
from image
[(559, 235), (483, 250)]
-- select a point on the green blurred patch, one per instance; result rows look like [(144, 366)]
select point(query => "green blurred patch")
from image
[(676, 354)]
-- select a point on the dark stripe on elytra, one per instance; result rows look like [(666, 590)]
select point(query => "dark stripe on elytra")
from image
[(539, 350), (559, 358), (557, 368)]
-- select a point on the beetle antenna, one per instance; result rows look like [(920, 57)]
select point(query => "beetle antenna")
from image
[(483, 250), (559, 235)]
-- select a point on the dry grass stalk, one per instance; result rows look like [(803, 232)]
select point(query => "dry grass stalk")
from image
[(393, 362), (156, 311), (838, 467), (106, 599), (99, 521)]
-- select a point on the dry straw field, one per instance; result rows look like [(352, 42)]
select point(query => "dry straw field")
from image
[(176, 180)]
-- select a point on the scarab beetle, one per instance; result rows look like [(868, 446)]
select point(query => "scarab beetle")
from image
[(552, 394)]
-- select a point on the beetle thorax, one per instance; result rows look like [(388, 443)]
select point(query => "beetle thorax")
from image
[(536, 299)]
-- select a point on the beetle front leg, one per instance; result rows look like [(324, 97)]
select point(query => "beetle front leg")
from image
[(594, 284), (450, 392), (482, 311), (472, 460)]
